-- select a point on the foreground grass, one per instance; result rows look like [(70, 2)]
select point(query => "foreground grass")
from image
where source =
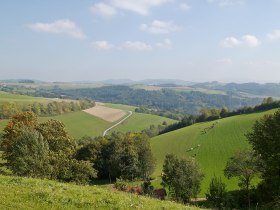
[(216, 145), (26, 193)]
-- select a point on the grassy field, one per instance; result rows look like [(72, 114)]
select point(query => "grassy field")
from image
[(80, 124), (137, 121), (22, 99), (27, 193), (217, 144), (140, 121)]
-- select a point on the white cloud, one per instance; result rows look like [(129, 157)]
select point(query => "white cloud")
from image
[(141, 7), (103, 9), (245, 41), (166, 43), (250, 41), (137, 45), (159, 27), (226, 3), (59, 27), (102, 45), (185, 7), (230, 42), (275, 35)]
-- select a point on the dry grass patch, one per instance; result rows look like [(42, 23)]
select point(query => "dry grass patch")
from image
[(106, 113)]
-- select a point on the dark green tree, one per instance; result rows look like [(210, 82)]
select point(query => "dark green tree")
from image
[(216, 193), (245, 165), (182, 177), (265, 140), (30, 156)]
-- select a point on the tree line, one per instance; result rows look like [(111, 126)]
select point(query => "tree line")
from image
[(8, 109), (215, 114)]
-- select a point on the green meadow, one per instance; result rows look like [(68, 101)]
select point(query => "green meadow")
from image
[(210, 143), (80, 124), (140, 121), (27, 193)]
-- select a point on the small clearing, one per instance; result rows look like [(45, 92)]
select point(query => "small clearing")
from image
[(106, 113)]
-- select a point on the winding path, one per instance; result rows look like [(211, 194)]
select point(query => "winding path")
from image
[(106, 131)]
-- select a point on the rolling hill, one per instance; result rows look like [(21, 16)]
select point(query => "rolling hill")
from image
[(210, 143)]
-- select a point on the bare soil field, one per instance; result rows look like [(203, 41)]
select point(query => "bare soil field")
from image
[(106, 113)]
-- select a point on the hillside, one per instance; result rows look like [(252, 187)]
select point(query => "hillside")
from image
[(218, 140), (27, 193)]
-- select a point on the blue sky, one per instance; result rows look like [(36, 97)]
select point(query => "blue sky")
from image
[(194, 40)]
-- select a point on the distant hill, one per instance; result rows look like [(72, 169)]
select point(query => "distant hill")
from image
[(210, 143), (255, 89)]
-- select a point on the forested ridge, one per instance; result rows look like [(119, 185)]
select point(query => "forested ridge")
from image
[(169, 100)]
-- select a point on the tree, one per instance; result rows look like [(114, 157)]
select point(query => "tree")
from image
[(20, 123), (125, 158), (182, 177), (30, 156), (57, 137), (244, 165), (265, 140), (216, 192), (146, 159)]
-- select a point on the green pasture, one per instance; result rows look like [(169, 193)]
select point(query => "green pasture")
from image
[(140, 121), (80, 124), (210, 143)]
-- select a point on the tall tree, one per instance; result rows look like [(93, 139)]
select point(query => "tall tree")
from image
[(30, 156), (265, 140), (182, 177), (245, 166), (20, 123)]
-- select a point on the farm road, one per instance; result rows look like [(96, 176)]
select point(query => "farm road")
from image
[(106, 131)]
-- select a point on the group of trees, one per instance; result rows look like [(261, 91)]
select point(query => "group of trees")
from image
[(8, 109), (42, 150), (127, 156), (45, 150)]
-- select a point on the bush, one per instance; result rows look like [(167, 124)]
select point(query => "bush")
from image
[(216, 193)]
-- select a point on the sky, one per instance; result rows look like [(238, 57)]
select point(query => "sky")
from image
[(192, 40)]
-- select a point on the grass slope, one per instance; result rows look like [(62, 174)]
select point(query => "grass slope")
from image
[(79, 124), (27, 193), (140, 121), (216, 145), (137, 121)]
